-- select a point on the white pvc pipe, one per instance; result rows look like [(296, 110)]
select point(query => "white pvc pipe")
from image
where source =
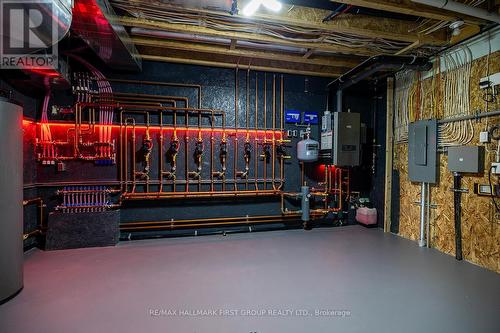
[(461, 8)]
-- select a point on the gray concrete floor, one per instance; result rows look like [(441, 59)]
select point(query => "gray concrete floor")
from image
[(383, 283)]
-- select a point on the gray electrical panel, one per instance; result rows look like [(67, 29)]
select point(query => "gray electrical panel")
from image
[(346, 138), (422, 151), (466, 159)]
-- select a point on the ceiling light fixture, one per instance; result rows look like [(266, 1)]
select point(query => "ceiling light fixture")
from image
[(254, 5), (456, 27)]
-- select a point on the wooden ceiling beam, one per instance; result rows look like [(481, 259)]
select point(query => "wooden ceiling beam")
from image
[(312, 19), (359, 25), (252, 37), (410, 8), (238, 52), (183, 60)]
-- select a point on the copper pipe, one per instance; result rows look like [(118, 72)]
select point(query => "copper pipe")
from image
[(176, 195), (247, 123), (160, 174), (201, 225), (133, 155), (186, 154), (256, 149), (41, 227), (168, 84), (210, 219), (236, 111), (121, 152), (150, 97), (282, 158), (131, 107), (214, 222), (212, 155), (265, 129), (273, 155)]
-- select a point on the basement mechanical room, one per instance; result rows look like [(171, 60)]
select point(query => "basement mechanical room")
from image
[(174, 124)]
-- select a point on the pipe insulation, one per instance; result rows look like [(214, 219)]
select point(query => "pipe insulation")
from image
[(461, 8)]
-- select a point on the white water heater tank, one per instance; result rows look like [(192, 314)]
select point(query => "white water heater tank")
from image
[(308, 150)]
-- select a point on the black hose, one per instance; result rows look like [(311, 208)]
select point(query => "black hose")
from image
[(457, 196)]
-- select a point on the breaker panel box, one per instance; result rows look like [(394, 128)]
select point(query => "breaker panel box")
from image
[(466, 159), (422, 151), (340, 138)]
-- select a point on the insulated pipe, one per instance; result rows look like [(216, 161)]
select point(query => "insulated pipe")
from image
[(461, 8), (423, 202), (376, 63)]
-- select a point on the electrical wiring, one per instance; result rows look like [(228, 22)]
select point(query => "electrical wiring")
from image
[(160, 12), (404, 82), (456, 98), (106, 113)]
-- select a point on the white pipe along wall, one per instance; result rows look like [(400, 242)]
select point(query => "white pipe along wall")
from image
[(461, 8)]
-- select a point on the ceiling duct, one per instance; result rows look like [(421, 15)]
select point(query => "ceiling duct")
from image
[(93, 21), (374, 65)]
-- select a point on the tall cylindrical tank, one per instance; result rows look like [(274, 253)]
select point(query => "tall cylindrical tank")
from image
[(11, 199)]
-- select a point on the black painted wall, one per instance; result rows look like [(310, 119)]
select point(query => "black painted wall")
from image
[(301, 93)]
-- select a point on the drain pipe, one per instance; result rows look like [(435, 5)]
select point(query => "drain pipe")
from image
[(461, 8)]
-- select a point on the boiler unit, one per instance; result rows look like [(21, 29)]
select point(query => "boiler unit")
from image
[(340, 138)]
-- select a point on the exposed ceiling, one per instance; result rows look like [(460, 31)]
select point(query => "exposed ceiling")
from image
[(323, 38)]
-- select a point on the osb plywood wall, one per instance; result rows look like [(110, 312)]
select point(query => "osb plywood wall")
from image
[(480, 227)]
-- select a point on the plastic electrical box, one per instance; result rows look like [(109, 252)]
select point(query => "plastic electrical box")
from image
[(484, 137), (495, 168), (466, 159)]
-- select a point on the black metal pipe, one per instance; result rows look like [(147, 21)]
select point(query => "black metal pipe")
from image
[(377, 63), (457, 195)]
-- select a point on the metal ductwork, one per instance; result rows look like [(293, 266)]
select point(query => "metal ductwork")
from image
[(94, 22), (461, 8), (376, 64)]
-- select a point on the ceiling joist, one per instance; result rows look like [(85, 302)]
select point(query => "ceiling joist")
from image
[(239, 52), (251, 37)]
